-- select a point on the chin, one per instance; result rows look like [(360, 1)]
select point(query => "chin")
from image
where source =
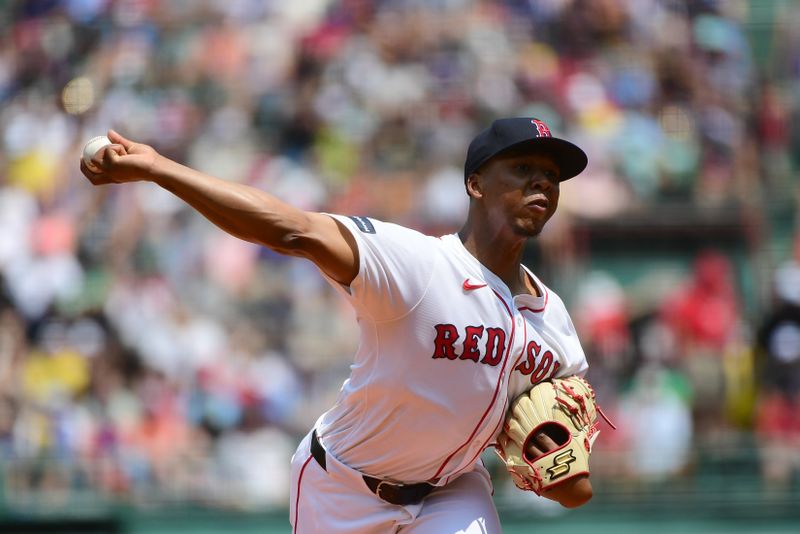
[(529, 227), (527, 231)]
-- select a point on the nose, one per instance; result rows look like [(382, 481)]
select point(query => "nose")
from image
[(542, 179)]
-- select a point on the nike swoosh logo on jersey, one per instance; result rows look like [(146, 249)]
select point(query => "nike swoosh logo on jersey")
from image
[(469, 286)]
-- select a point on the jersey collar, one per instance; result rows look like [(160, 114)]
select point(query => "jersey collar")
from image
[(479, 273)]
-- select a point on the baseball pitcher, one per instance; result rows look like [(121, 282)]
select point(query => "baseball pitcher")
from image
[(462, 347)]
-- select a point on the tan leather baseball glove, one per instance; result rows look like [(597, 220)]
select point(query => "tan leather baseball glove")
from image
[(565, 409)]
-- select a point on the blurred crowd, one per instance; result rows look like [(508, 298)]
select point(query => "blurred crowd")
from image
[(146, 356)]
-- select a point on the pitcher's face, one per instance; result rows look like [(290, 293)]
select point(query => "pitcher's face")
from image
[(520, 190)]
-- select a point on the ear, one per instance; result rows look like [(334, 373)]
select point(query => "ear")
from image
[(474, 185)]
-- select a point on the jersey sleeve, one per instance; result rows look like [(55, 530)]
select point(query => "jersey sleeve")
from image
[(395, 267)]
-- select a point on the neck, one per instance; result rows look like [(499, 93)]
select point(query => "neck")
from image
[(499, 250)]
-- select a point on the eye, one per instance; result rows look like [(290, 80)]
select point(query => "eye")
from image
[(523, 168), (550, 175)]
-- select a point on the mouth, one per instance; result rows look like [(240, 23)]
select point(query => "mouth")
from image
[(539, 202)]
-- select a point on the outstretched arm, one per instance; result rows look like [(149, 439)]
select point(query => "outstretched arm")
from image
[(243, 211)]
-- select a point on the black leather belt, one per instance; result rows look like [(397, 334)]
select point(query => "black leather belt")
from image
[(391, 492)]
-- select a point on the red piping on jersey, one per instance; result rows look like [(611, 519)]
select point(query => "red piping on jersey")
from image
[(297, 497), (537, 310), (496, 390), (505, 404)]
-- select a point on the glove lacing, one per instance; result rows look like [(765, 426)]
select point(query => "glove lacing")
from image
[(582, 413)]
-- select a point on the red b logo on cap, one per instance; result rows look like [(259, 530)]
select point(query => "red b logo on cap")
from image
[(541, 128)]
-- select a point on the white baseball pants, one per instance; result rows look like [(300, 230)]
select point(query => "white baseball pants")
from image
[(338, 501)]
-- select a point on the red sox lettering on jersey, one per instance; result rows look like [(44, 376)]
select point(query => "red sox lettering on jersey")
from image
[(493, 344), (487, 345), (538, 368)]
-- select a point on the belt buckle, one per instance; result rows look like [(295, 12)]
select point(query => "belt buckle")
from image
[(388, 484)]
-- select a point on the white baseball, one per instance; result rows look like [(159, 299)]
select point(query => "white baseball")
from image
[(91, 148)]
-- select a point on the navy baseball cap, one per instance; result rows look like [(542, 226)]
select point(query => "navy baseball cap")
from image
[(521, 133)]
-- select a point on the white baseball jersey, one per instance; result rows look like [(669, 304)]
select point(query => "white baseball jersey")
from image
[(444, 347)]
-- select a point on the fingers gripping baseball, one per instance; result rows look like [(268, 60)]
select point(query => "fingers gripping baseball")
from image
[(116, 137), (121, 161)]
